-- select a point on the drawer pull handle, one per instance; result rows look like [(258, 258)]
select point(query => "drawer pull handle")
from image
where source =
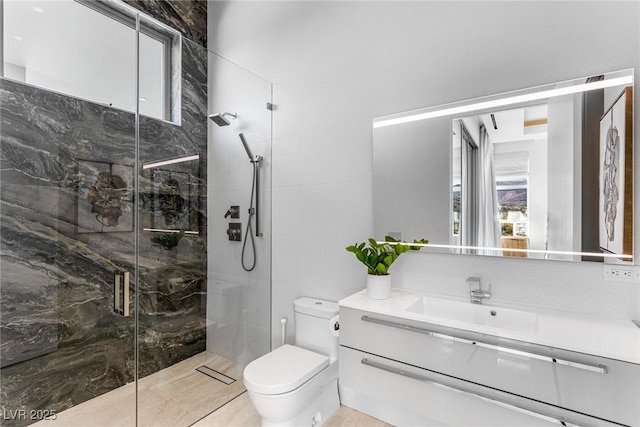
[(462, 390), (601, 369)]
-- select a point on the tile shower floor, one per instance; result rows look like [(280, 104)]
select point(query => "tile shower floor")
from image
[(180, 396)]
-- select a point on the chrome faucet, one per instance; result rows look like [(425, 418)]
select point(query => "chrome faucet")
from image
[(476, 292)]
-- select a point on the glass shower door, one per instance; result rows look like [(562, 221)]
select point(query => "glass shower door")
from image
[(173, 390), (67, 133), (116, 306)]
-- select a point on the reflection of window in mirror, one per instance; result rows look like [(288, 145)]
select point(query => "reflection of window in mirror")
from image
[(519, 138), (512, 206), (503, 182), (62, 46)]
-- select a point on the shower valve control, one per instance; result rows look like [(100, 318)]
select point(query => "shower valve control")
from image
[(235, 231), (234, 212)]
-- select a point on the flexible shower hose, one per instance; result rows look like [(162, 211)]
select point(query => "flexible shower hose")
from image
[(249, 232)]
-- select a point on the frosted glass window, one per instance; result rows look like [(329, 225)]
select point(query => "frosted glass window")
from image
[(68, 47), (152, 77)]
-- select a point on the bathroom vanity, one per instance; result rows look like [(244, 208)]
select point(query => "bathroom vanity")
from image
[(418, 359)]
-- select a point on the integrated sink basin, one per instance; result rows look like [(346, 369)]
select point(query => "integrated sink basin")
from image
[(617, 339), (498, 317)]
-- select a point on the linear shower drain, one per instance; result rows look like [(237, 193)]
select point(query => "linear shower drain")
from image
[(216, 375)]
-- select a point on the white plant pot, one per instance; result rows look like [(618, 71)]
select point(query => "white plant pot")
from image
[(378, 287)]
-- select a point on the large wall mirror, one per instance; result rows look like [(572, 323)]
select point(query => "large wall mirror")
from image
[(543, 173)]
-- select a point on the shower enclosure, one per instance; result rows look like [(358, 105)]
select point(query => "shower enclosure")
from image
[(106, 251)]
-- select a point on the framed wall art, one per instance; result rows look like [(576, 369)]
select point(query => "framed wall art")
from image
[(616, 176)]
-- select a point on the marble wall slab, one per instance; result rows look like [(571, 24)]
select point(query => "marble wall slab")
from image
[(55, 279), (62, 343)]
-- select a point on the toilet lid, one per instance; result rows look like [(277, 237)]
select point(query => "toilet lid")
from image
[(283, 370)]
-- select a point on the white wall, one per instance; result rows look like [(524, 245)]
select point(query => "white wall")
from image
[(336, 65)]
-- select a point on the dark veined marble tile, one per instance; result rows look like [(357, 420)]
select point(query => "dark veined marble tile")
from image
[(194, 86), (191, 136), (62, 342), (59, 380), (166, 340)]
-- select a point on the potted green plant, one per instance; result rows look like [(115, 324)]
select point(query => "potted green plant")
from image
[(378, 257)]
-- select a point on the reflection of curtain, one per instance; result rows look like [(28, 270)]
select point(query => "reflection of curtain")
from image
[(488, 216), (469, 193)]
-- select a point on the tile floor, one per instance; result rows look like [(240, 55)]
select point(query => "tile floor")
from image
[(180, 396), (240, 413), (176, 396)]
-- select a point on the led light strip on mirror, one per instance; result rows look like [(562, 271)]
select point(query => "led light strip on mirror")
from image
[(501, 102), (528, 251)]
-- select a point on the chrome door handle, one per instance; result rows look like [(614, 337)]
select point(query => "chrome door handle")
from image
[(121, 293)]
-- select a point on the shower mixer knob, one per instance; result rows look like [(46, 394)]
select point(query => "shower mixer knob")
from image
[(235, 232)]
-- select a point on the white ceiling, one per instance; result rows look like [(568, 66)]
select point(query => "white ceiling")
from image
[(510, 125)]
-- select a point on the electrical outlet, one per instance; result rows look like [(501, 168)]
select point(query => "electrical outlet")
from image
[(621, 273)]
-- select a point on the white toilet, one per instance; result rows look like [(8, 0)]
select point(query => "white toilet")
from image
[(298, 385)]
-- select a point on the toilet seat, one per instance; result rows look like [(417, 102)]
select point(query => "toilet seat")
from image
[(283, 370)]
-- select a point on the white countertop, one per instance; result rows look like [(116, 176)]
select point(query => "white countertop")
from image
[(610, 338)]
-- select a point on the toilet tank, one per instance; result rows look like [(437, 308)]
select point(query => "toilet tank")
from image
[(314, 327)]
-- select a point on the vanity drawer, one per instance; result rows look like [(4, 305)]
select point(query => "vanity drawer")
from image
[(402, 394), (596, 386)]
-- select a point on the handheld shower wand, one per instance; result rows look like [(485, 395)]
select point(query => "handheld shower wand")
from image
[(246, 147), (255, 189)]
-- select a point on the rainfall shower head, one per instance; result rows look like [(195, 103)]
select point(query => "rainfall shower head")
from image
[(220, 120), (246, 147)]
